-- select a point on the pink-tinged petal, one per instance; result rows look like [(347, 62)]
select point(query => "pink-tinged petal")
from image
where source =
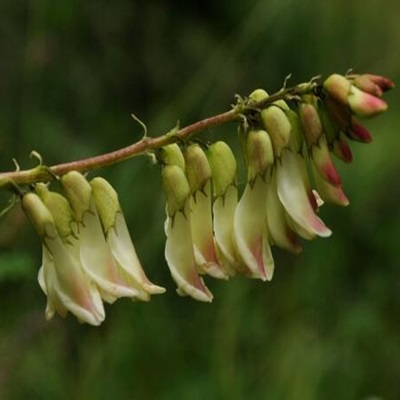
[(299, 230), (293, 195), (328, 192), (364, 104), (97, 259), (382, 82), (180, 257), (323, 162), (250, 230), (358, 132), (127, 261), (279, 231), (202, 233), (68, 287), (119, 240), (224, 211)]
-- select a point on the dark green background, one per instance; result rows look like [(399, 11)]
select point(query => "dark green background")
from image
[(327, 326)]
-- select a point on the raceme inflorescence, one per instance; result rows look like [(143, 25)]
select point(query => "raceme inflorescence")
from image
[(287, 142)]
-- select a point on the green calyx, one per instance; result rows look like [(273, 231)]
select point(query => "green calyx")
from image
[(39, 215), (78, 192), (278, 126), (260, 155), (172, 155), (198, 171), (59, 208), (107, 203), (176, 188), (223, 167)]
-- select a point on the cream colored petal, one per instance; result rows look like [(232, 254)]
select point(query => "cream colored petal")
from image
[(68, 287), (97, 259), (202, 233), (294, 197), (250, 231), (180, 257), (278, 229), (41, 280), (46, 268), (224, 212), (123, 250)]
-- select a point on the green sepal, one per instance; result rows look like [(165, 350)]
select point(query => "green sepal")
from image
[(59, 208), (172, 155), (223, 167), (176, 188), (39, 215), (78, 192), (107, 203)]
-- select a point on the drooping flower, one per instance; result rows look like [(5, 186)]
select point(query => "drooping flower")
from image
[(95, 254), (61, 275), (296, 198), (250, 224), (198, 173), (179, 251), (223, 169), (279, 230), (119, 240)]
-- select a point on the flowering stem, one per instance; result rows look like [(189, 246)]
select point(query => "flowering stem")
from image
[(42, 173)]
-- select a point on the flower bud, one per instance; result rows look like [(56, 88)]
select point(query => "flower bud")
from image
[(258, 95), (373, 84), (329, 193), (278, 126), (323, 162), (341, 149), (384, 83), (364, 104), (338, 88), (358, 132)]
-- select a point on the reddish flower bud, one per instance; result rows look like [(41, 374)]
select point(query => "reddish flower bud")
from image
[(383, 83), (358, 132), (341, 149)]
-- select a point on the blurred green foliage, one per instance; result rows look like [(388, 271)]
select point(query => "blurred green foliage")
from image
[(326, 327)]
